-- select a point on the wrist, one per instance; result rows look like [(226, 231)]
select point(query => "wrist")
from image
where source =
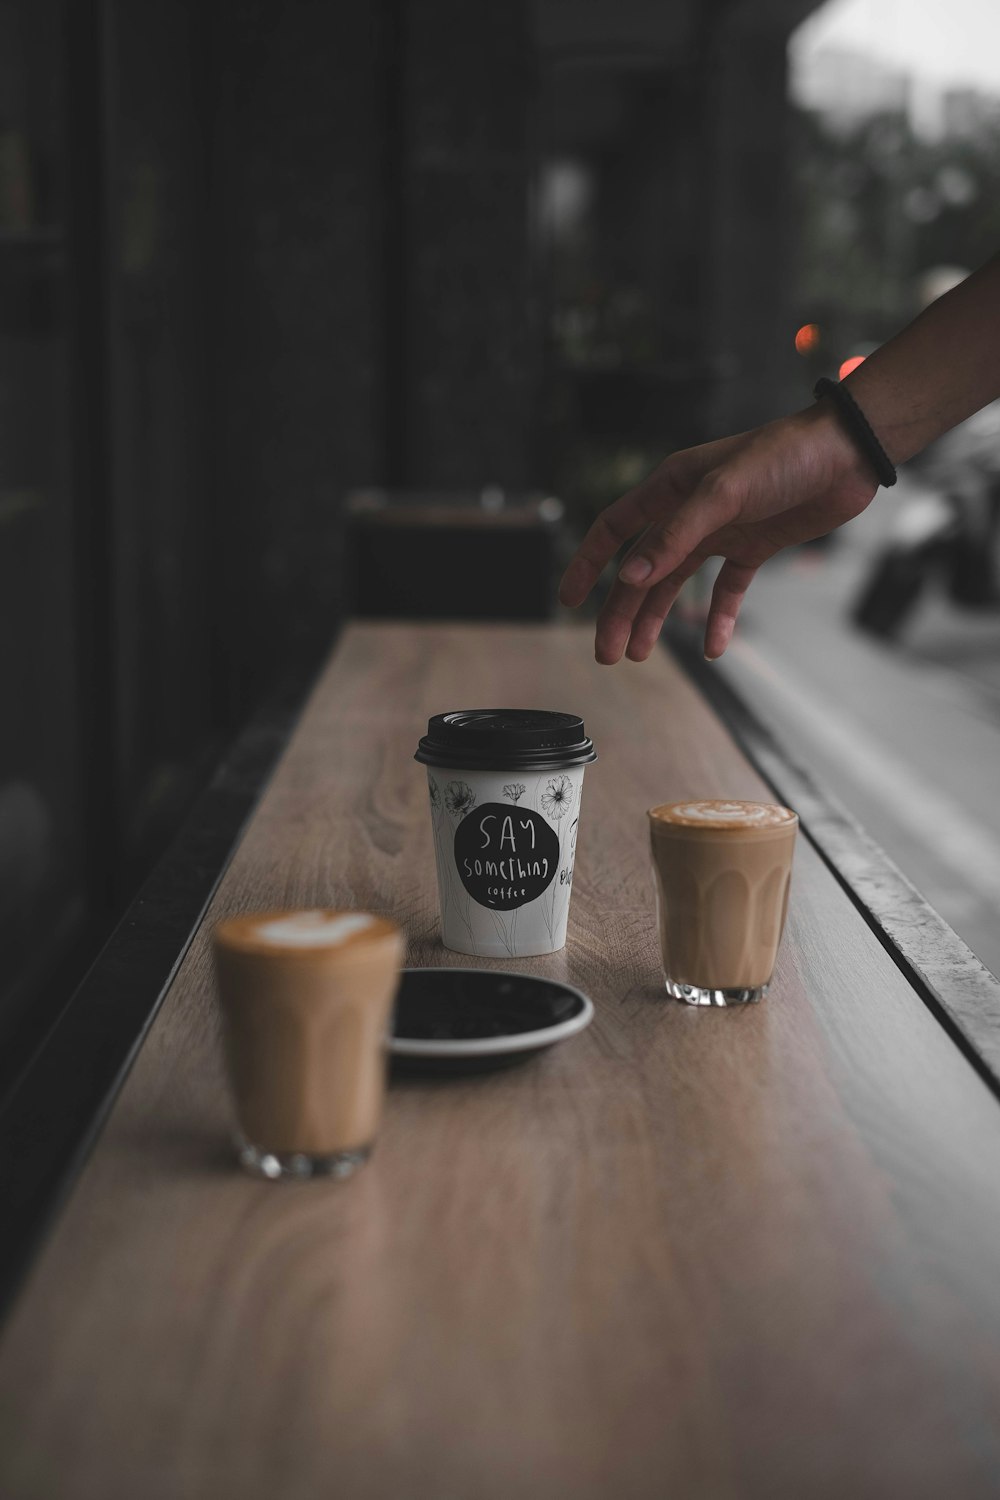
[(858, 428), (879, 402), (832, 444)]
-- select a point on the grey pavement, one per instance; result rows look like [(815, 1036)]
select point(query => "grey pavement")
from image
[(907, 736)]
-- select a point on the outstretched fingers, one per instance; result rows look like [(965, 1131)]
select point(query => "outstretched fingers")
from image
[(656, 496), (665, 547), (614, 623), (657, 605), (612, 529), (727, 598)]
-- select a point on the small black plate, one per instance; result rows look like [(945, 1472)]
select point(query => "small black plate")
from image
[(470, 1020)]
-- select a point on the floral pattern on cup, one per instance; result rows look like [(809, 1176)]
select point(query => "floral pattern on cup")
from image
[(459, 798), (557, 798), (506, 929)]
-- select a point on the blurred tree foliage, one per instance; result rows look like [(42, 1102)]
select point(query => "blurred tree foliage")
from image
[(875, 208), (872, 209)]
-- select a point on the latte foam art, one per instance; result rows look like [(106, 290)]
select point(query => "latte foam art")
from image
[(723, 812), (313, 929), (716, 813)]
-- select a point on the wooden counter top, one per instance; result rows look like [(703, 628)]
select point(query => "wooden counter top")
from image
[(688, 1254)]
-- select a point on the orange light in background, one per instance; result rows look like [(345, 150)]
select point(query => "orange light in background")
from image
[(849, 365), (807, 338)]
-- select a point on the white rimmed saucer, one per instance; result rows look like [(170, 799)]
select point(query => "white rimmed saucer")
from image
[(464, 1020)]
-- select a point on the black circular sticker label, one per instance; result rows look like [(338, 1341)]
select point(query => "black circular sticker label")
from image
[(506, 856)]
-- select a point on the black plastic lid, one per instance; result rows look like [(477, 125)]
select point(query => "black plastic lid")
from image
[(505, 739)]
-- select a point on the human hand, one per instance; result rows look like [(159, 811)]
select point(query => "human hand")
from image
[(742, 498)]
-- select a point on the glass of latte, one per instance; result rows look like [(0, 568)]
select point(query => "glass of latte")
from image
[(306, 1001), (722, 872)]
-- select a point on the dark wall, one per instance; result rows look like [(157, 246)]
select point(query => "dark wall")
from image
[(375, 319), (298, 171), (471, 348), (252, 256), (43, 868), (747, 302), (158, 517)]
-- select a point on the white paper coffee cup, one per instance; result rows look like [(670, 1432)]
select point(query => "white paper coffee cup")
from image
[(505, 835)]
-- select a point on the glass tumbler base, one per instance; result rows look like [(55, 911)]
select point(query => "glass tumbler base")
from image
[(691, 994), (298, 1166)]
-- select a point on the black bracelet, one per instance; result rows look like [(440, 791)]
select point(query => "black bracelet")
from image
[(857, 425)]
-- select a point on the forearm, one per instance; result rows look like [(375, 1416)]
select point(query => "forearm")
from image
[(937, 371)]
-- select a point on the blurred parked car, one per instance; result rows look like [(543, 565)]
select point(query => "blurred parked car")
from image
[(946, 531)]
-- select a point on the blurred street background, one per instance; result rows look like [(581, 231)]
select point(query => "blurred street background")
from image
[(877, 654), (906, 734), (885, 683)]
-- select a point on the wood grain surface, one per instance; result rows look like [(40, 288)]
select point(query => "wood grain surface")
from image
[(690, 1253)]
